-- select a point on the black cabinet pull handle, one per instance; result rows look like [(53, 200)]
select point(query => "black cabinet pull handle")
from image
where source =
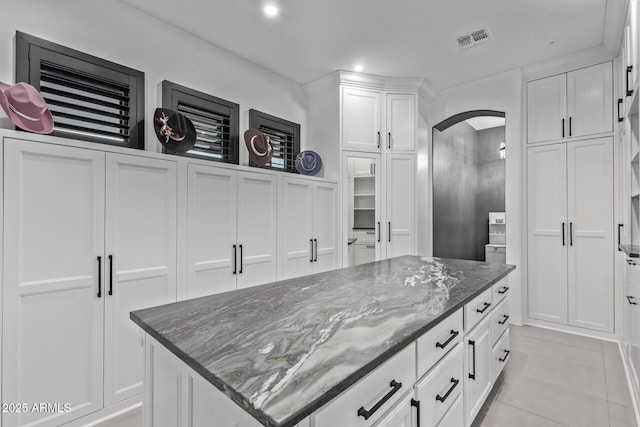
[(631, 262), (503, 290), (570, 119), (240, 259), (378, 139), (563, 240), (484, 308), (235, 259), (570, 234), (446, 343), (563, 128), (110, 274), (504, 358), (453, 386), (395, 386), (629, 69), (620, 118), (473, 359), (378, 231), (389, 146), (632, 300), (416, 404), (505, 317), (99, 277), (389, 237), (619, 229), (311, 241), (315, 258)]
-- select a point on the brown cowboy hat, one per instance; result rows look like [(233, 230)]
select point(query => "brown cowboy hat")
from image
[(259, 147)]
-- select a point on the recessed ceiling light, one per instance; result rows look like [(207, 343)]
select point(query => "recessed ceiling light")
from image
[(358, 68), (271, 10)]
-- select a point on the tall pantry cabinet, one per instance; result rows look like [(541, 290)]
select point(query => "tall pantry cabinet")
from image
[(570, 198), (357, 116), (88, 237)]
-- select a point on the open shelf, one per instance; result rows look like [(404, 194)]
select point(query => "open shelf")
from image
[(364, 195)]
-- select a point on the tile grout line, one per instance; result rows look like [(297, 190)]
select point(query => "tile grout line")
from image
[(560, 343), (531, 413), (606, 387)]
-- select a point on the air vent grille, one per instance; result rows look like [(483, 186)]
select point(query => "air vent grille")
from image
[(465, 41)]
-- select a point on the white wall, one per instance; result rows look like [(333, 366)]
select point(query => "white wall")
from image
[(117, 32), (502, 92)]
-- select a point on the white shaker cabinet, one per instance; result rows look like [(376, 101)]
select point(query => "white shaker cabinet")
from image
[(368, 125), (89, 236), (632, 314), (310, 232), (477, 368), (140, 264), (360, 118), (570, 233), (401, 415), (231, 229), (54, 250), (257, 228), (547, 232), (400, 205), (211, 230), (573, 104), (546, 108), (401, 123), (590, 100)]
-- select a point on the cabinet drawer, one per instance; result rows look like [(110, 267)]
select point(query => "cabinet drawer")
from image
[(455, 416), (477, 309), (499, 320), (440, 389), (437, 342), (365, 236), (501, 352), (500, 291), (363, 396)]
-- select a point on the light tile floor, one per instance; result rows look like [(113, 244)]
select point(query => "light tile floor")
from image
[(556, 379)]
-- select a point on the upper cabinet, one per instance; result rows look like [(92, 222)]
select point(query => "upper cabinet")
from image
[(378, 121), (361, 111), (573, 104)]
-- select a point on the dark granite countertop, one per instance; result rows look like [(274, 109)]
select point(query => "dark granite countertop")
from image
[(632, 251), (282, 350)]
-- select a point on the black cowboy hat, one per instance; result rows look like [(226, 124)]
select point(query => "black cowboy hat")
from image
[(174, 131)]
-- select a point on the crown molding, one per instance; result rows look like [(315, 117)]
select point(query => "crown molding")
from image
[(369, 81), (580, 59)]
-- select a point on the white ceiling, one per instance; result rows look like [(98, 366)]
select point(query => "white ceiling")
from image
[(485, 122), (399, 38)]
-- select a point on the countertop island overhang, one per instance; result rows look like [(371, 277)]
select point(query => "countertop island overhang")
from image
[(283, 350)]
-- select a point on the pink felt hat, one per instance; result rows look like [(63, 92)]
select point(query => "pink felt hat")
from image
[(25, 107)]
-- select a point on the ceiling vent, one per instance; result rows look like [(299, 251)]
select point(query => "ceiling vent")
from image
[(465, 41)]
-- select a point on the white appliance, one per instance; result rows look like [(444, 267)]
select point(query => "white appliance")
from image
[(495, 251)]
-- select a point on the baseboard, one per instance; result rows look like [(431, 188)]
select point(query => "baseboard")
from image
[(635, 398), (572, 330), (110, 414)]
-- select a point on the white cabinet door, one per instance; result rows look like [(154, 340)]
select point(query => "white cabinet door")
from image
[(140, 251), (211, 230), (401, 415), (326, 232), (547, 232), (53, 316), (361, 119), (546, 109), (401, 122), (477, 375), (632, 304), (591, 253), (297, 227), (257, 229), (400, 206), (590, 100)]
